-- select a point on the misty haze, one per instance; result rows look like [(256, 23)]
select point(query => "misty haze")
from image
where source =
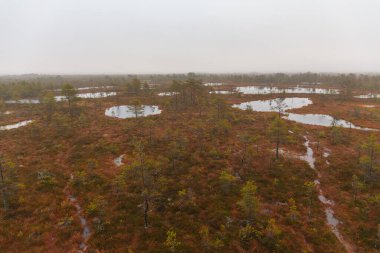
[(190, 126)]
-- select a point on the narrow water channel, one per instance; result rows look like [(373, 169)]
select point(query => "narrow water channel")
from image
[(86, 232), (331, 220)]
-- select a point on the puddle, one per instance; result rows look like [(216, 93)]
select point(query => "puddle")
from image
[(326, 152), (23, 101), (212, 84), (287, 153), (16, 125), (221, 92), (272, 104), (118, 161), (322, 120), (62, 98), (129, 111), (89, 88), (370, 95), (255, 90), (88, 95), (7, 112), (163, 94), (369, 106), (94, 87)]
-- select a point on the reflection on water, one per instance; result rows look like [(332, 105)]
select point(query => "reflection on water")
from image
[(273, 104), (17, 125), (89, 88), (284, 104), (293, 90), (130, 111), (169, 93), (222, 92), (370, 95), (88, 95), (23, 101), (95, 87), (212, 84), (62, 98), (322, 120)]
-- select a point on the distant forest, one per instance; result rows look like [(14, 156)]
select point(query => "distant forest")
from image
[(33, 85)]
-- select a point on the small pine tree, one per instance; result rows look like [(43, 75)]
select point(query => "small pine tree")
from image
[(356, 186), (278, 133), (249, 201), (226, 180), (293, 212), (171, 241), (272, 230), (310, 187), (368, 160)]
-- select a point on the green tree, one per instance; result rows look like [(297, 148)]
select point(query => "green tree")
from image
[(256, 140), (272, 230), (144, 184), (221, 108), (69, 92), (246, 139), (226, 180), (356, 186), (309, 190), (3, 186), (278, 133), (137, 108), (293, 212), (147, 172), (2, 105), (176, 87), (8, 187), (208, 243), (171, 241), (194, 89), (336, 133), (50, 105), (248, 233), (369, 160), (222, 128), (279, 106), (347, 83), (134, 86), (249, 201)]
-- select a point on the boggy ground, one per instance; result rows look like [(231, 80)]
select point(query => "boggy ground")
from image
[(186, 153)]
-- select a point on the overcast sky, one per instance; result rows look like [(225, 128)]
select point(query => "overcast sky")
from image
[(166, 36)]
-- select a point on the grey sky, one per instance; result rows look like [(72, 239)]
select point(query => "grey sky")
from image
[(160, 36)]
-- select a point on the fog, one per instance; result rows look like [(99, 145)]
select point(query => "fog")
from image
[(166, 36)]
